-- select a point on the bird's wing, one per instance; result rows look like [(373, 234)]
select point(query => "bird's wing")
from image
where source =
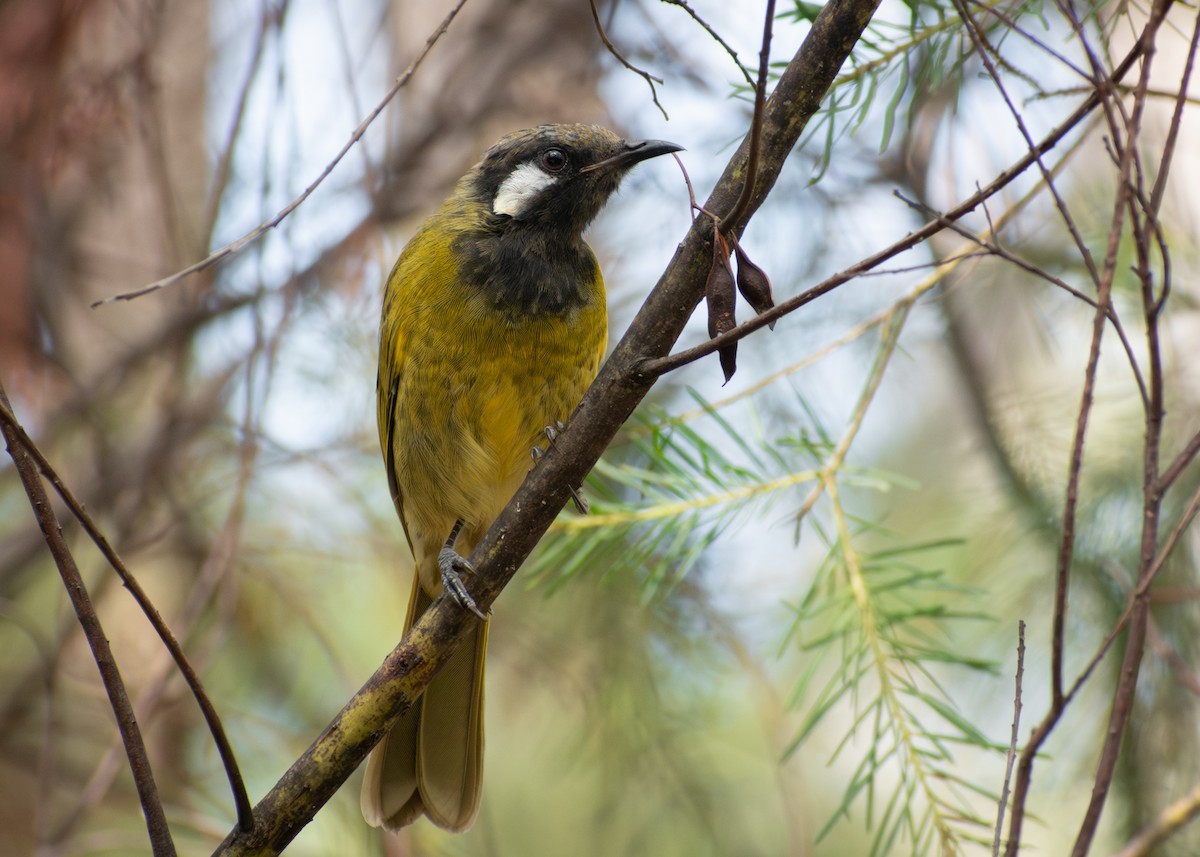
[(387, 383)]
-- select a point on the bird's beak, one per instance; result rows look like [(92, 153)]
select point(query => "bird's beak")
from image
[(633, 152)]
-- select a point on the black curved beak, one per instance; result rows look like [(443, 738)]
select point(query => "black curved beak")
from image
[(634, 152)]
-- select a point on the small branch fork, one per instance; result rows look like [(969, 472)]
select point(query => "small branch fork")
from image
[(1135, 212), (20, 449), (15, 434)]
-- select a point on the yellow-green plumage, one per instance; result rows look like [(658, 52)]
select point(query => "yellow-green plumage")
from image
[(473, 389), (493, 326)]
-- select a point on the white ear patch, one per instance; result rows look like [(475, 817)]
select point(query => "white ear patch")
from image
[(520, 189)]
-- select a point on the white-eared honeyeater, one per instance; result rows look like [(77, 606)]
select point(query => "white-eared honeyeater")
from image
[(494, 322)]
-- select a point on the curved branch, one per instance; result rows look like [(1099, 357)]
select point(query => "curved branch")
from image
[(110, 674), (236, 784)]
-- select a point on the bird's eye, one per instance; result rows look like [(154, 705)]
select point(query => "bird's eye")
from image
[(553, 160)]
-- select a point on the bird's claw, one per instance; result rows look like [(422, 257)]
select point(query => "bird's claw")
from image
[(581, 503), (450, 563), (552, 432)]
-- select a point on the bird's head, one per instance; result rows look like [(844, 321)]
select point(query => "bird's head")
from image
[(557, 176)]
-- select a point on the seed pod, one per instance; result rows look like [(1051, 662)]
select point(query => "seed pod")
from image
[(754, 284), (728, 359), (719, 292)]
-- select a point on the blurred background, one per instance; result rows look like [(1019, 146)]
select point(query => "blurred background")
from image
[(789, 625)]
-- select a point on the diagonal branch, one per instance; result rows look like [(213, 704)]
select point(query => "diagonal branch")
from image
[(110, 674), (656, 366), (1171, 819), (314, 778), (232, 249), (14, 431), (640, 72)]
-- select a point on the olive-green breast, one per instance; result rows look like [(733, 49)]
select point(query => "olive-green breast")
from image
[(485, 340)]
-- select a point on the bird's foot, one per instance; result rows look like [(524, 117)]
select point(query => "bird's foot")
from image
[(450, 564)]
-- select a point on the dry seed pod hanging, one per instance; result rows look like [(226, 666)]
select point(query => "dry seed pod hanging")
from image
[(754, 284), (720, 294)]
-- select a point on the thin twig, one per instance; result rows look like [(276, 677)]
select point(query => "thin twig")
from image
[(235, 247), (1171, 819), (1181, 100), (612, 49), (1127, 677), (1124, 90), (1168, 545), (1187, 678), (237, 785), (716, 37), (671, 362), (985, 52), (1066, 549), (1181, 461), (270, 16), (85, 611), (994, 248), (729, 222), (1168, 154), (1011, 24), (1011, 757)]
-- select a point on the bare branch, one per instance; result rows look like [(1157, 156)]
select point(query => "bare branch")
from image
[(642, 73), (994, 248), (660, 366), (1013, 740), (1171, 819), (984, 50), (85, 611), (1181, 100), (235, 247), (237, 785)]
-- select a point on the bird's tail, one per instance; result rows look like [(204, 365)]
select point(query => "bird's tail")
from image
[(431, 762)]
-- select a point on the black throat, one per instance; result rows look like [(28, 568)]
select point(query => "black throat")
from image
[(526, 268)]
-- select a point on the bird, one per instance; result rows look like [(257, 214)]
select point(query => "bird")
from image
[(494, 322)]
